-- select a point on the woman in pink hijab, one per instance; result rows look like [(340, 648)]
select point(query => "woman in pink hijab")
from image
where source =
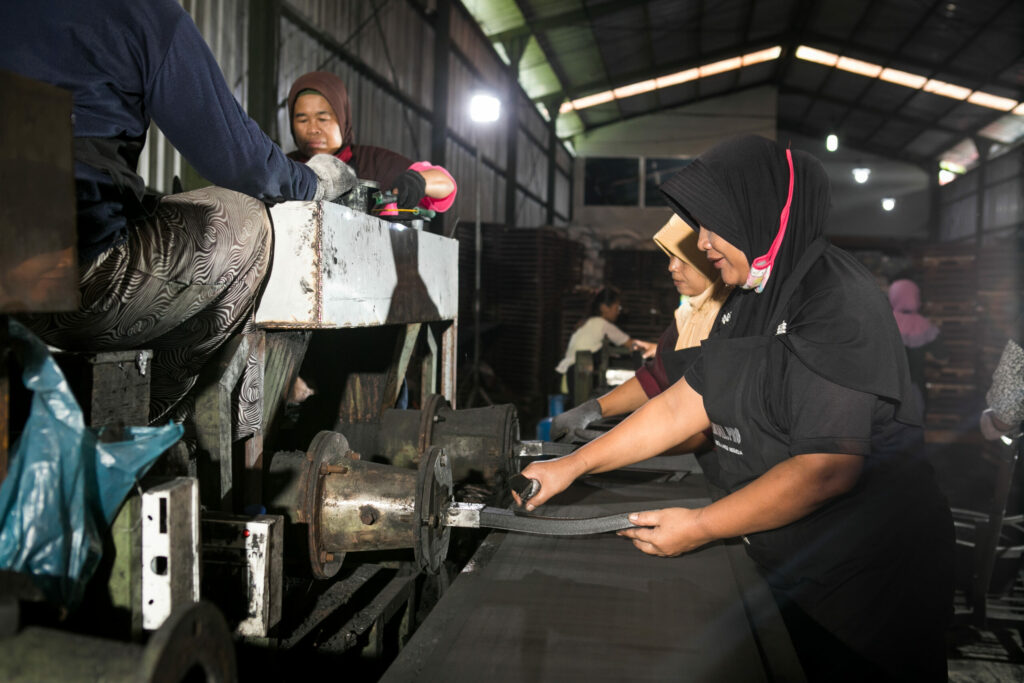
[(919, 334)]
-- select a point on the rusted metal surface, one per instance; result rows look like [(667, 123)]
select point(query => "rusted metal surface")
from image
[(480, 442), (346, 522), (335, 268)]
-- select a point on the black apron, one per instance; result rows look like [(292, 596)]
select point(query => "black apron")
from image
[(869, 567)]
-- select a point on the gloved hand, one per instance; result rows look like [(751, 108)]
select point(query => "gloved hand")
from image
[(1006, 395), (564, 425), (410, 187), (335, 176)]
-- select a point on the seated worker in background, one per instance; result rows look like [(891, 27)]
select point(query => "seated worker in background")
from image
[(804, 384), (1005, 396), (321, 123), (602, 312), (177, 274), (920, 336), (694, 277)]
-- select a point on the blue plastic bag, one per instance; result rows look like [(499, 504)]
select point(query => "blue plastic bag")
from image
[(64, 486)]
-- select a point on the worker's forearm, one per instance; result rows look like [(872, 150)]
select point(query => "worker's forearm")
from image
[(623, 399), (439, 185), (659, 424), (789, 491)]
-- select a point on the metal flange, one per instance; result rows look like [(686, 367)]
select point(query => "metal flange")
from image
[(434, 493)]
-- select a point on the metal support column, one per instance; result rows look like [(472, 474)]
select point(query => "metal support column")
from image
[(439, 117), (515, 49), (264, 43)]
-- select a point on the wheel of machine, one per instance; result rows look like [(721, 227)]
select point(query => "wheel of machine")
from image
[(192, 639), (433, 495)]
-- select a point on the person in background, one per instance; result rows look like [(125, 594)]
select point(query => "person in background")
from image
[(695, 279), (920, 336), (177, 274), (1005, 396), (805, 386), (321, 123), (602, 311)]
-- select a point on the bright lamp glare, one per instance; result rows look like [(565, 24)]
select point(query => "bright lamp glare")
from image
[(832, 142), (888, 203), (861, 175), (946, 177), (484, 108)]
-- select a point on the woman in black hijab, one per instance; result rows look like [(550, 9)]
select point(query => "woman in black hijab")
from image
[(804, 384)]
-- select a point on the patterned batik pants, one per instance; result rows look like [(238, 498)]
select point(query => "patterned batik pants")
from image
[(184, 281)]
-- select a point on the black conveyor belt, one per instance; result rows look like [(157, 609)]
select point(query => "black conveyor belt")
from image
[(593, 608)]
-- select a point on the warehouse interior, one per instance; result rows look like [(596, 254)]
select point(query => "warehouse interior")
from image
[(425, 358)]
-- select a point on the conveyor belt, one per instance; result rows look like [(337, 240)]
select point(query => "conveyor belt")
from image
[(534, 608)]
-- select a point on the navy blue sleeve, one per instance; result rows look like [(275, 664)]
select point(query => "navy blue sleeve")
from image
[(190, 101)]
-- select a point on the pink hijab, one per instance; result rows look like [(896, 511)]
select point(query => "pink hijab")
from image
[(905, 299)]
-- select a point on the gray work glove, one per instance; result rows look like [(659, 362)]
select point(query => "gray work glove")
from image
[(1006, 395), (564, 425), (335, 177)]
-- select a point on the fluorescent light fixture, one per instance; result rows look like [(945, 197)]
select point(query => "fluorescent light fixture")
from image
[(669, 80), (832, 142), (903, 78), (858, 67), (484, 108), (861, 175), (983, 99), (888, 204), (635, 89), (1019, 111), (946, 89), (593, 100), (946, 177), (811, 54), (762, 56), (677, 78), (721, 67)]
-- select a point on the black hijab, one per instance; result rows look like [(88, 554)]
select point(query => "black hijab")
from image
[(836, 319)]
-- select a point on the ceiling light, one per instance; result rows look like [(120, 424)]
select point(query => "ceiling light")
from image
[(888, 204), (984, 99), (902, 78), (720, 67), (484, 108), (811, 54), (946, 177), (635, 89), (677, 78), (861, 175), (1019, 111), (762, 56), (593, 100), (832, 142), (946, 89), (858, 67)]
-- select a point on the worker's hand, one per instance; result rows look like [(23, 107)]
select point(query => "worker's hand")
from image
[(648, 348), (554, 477), (410, 187), (564, 425), (668, 532), (334, 175)]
